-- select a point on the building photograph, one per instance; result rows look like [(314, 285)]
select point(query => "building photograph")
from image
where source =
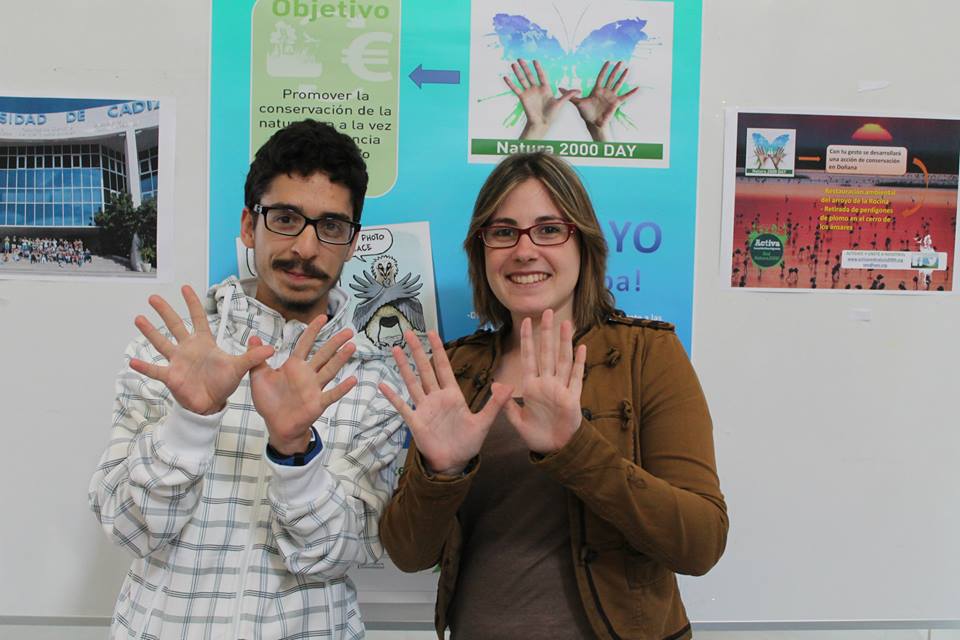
[(78, 187)]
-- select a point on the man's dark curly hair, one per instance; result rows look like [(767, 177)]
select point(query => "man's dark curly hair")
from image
[(304, 148)]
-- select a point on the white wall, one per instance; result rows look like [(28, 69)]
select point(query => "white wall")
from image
[(62, 344), (858, 449), (839, 464)]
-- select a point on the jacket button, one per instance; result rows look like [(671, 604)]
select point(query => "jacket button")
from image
[(586, 413), (588, 555)]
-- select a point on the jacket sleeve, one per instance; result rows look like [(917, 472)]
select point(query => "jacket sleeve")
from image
[(328, 511), (148, 482), (422, 514), (669, 507)]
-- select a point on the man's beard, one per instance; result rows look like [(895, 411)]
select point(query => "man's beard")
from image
[(307, 269)]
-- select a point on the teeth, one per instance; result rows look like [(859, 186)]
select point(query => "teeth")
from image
[(528, 278)]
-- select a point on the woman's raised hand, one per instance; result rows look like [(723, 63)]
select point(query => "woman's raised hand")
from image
[(551, 384), (447, 433)]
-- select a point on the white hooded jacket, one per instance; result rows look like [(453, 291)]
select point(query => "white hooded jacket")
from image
[(228, 544)]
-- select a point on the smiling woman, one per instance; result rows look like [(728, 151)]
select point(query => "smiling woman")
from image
[(573, 505)]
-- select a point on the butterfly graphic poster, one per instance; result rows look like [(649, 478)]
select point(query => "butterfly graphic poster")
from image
[(585, 107), (841, 202), (772, 152)]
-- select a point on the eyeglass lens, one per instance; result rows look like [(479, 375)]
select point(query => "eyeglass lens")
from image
[(291, 223), (546, 234)]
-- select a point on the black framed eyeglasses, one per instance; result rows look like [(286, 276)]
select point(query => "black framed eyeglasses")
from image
[(290, 222), (545, 234)]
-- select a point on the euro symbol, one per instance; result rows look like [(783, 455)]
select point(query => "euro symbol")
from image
[(359, 57)]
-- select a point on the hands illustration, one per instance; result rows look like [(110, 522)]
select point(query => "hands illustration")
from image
[(598, 108), (541, 106)]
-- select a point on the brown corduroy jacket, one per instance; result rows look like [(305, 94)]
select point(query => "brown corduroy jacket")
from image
[(643, 497)]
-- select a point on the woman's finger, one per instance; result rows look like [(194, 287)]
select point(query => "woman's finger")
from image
[(548, 345), (402, 407), (428, 380), (527, 357), (565, 348), (408, 376), (576, 374), (441, 363)]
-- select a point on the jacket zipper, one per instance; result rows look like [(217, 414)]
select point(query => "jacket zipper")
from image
[(585, 551), (248, 549)]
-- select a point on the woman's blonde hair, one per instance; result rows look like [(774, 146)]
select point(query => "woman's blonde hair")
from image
[(592, 302)]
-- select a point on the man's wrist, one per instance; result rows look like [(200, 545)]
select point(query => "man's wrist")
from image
[(299, 457), (292, 446)]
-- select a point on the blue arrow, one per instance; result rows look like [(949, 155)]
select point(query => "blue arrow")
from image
[(434, 76)]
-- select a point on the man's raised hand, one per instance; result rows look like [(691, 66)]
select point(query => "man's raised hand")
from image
[(290, 399), (199, 374)]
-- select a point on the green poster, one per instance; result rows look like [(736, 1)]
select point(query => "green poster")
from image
[(332, 61)]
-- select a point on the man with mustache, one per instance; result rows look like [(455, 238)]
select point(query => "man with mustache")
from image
[(250, 455)]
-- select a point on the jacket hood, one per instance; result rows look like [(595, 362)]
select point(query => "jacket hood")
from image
[(242, 314)]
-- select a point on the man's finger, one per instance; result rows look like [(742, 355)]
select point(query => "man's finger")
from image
[(516, 90), (170, 318), (308, 337), (329, 370), (150, 370), (157, 339), (198, 317), (329, 348), (333, 395), (254, 356)]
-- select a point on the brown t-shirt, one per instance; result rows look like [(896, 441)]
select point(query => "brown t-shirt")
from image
[(516, 573)]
